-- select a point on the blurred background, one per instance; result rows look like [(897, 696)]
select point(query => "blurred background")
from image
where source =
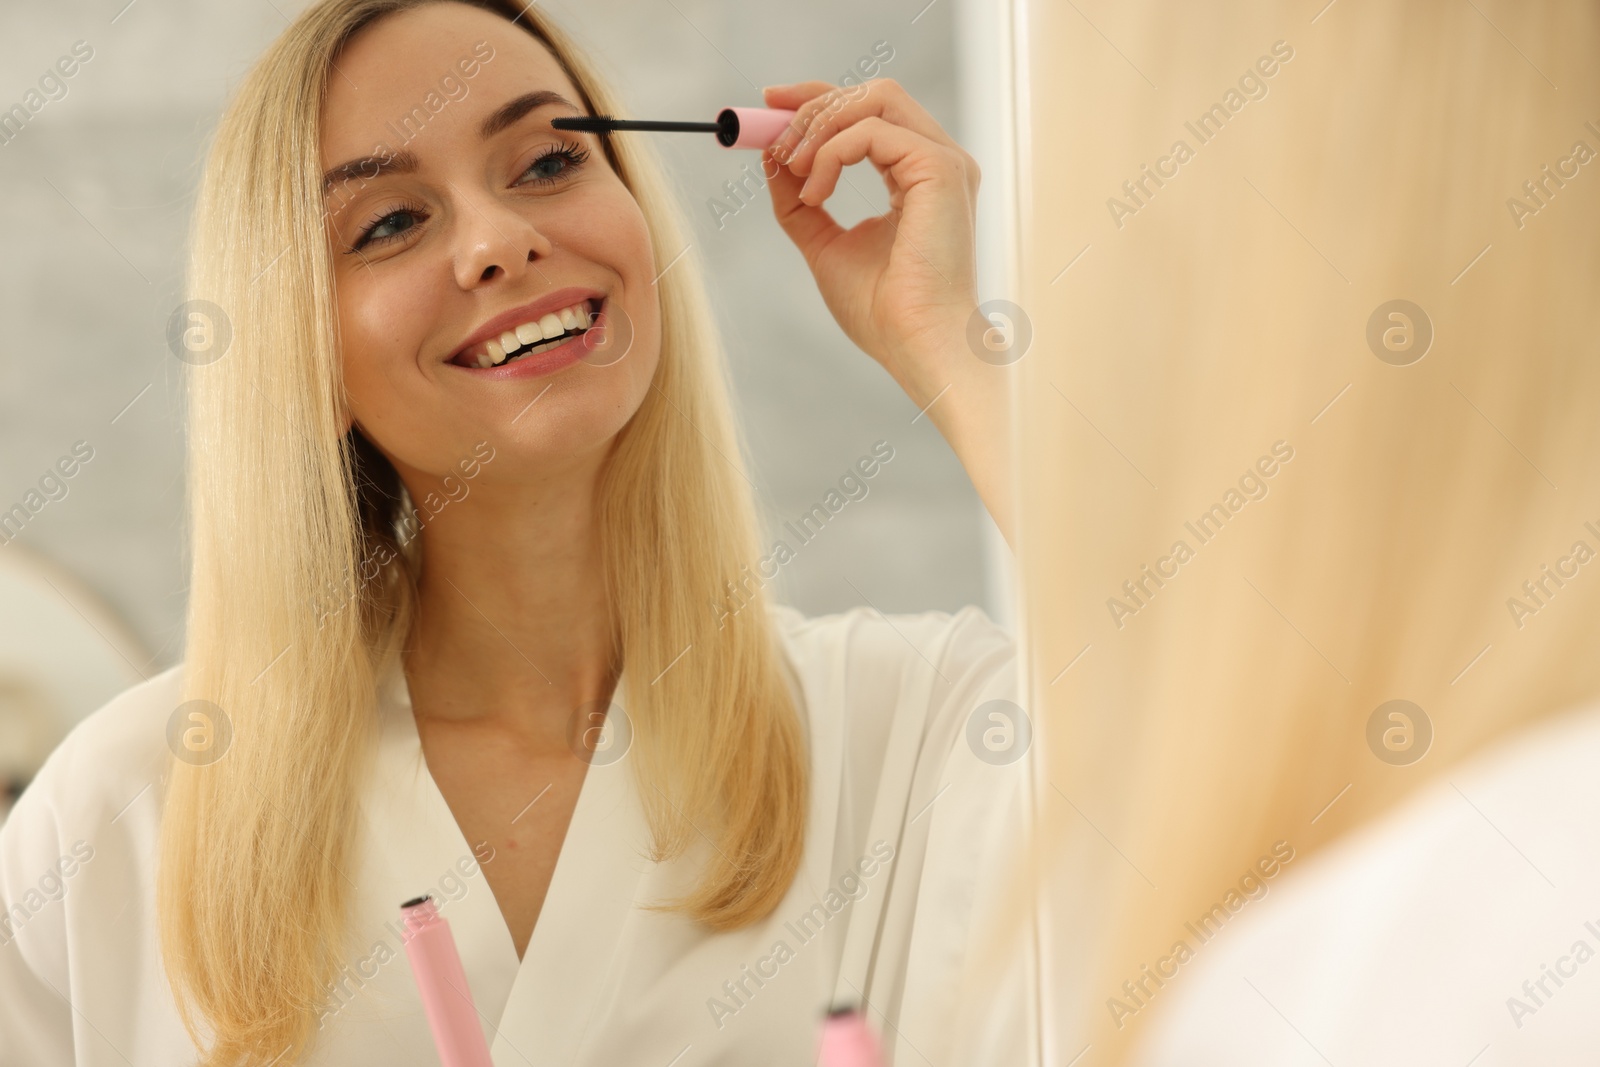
[(99, 183), (1310, 456)]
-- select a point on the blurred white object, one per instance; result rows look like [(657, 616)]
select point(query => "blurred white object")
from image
[(1461, 928), (62, 654), (987, 124)]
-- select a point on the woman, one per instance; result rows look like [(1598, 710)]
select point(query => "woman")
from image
[(459, 612)]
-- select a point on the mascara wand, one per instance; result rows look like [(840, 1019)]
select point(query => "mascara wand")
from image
[(736, 127)]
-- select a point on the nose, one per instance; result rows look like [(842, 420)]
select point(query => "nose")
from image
[(494, 240)]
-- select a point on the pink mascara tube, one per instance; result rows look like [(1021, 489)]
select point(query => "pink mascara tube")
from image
[(848, 1041), (443, 984), (736, 127)]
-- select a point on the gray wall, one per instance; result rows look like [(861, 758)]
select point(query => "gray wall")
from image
[(98, 188)]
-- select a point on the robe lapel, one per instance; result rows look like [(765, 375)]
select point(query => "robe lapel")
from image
[(569, 973), (414, 846)]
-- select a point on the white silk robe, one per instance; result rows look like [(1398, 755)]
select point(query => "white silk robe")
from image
[(907, 886)]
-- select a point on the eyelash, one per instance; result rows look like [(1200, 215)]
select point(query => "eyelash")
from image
[(575, 156)]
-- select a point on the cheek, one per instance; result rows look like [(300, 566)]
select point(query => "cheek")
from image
[(384, 314), (628, 231), (605, 227), (634, 259)]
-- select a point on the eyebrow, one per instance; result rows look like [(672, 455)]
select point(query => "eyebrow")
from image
[(511, 112), (368, 168)]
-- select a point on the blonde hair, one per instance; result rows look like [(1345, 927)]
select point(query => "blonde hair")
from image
[(253, 884), (1224, 309)]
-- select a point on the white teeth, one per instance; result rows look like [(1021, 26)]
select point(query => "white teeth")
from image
[(546, 330)]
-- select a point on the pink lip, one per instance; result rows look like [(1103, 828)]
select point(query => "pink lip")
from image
[(553, 359), (527, 313)]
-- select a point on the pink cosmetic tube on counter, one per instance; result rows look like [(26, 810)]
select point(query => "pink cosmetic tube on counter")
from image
[(457, 1033), (848, 1041)]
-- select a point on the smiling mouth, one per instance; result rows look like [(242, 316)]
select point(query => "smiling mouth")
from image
[(531, 337)]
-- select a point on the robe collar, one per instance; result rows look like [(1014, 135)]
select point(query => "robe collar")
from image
[(536, 1011)]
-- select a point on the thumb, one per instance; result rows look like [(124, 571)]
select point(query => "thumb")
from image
[(810, 228)]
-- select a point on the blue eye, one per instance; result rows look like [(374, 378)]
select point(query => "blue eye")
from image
[(388, 226), (552, 166), (556, 164)]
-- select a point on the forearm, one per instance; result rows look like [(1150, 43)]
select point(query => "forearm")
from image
[(969, 401)]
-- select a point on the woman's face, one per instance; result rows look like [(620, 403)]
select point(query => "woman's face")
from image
[(464, 217)]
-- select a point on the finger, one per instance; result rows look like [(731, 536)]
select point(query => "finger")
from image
[(792, 96), (809, 227), (906, 158), (823, 116), (807, 107)]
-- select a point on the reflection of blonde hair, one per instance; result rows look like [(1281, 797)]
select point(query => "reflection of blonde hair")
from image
[(1229, 312), (254, 879)]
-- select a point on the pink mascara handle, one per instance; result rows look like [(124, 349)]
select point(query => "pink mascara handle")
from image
[(751, 127), (847, 1041), (443, 984)]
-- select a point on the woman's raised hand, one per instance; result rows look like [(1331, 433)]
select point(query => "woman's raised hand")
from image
[(897, 280), (902, 285)]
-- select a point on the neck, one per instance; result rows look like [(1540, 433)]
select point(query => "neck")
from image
[(513, 625)]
